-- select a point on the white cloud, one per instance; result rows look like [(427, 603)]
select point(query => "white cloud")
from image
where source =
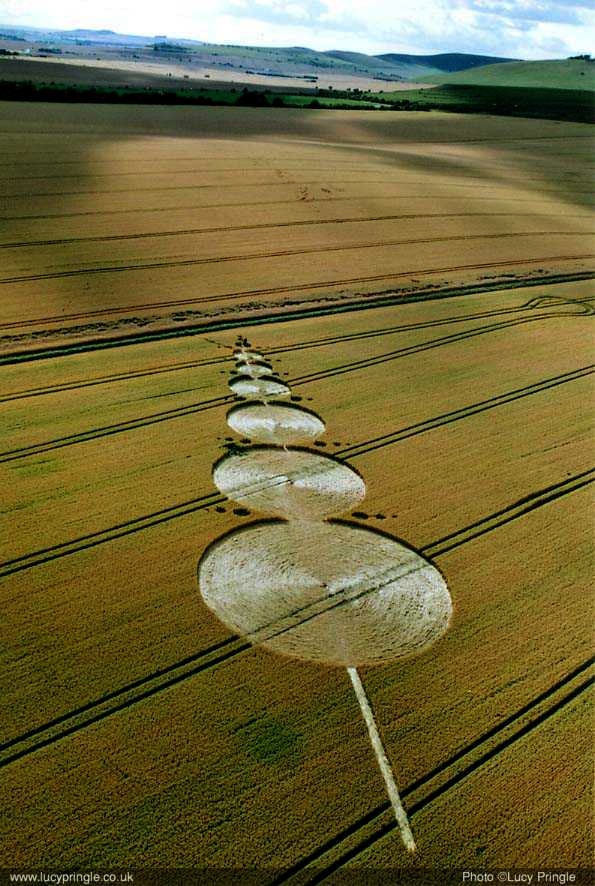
[(521, 28)]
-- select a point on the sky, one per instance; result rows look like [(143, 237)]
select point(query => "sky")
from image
[(530, 29)]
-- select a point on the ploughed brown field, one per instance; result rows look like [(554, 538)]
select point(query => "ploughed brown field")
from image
[(421, 282)]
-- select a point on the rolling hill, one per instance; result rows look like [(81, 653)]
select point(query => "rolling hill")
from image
[(444, 61), (573, 73)]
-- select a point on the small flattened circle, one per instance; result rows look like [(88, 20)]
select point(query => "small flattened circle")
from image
[(246, 355), (259, 388), (254, 370)]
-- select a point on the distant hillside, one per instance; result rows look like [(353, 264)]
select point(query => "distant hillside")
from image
[(444, 61), (276, 61), (409, 68), (555, 74)]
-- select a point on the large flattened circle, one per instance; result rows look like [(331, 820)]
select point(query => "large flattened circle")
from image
[(275, 423), (368, 600), (289, 482), (259, 388)]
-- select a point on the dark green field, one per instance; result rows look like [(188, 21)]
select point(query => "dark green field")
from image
[(549, 104)]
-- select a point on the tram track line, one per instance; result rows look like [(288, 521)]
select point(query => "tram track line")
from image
[(541, 202), (474, 182), (371, 827), (265, 318), (296, 223), (181, 411), (162, 679), (300, 345), (279, 253), (129, 527)]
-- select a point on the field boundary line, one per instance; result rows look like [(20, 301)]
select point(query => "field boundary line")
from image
[(538, 499), (330, 340), (379, 300), (304, 345)]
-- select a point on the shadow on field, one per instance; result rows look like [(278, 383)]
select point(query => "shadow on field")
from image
[(79, 162)]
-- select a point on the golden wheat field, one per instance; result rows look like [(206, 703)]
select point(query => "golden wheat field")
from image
[(422, 283)]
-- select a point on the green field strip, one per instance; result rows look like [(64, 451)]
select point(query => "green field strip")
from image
[(120, 530), (109, 379), (300, 345), (120, 427), (359, 449), (582, 304), (155, 683)]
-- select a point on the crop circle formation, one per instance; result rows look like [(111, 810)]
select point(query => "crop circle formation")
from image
[(275, 423), (328, 592), (305, 586)]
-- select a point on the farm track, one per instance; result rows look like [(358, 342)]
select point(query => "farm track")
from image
[(180, 411), (152, 684), (129, 527), (281, 253), (290, 202), (269, 226), (335, 339), (358, 304), (509, 731)]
